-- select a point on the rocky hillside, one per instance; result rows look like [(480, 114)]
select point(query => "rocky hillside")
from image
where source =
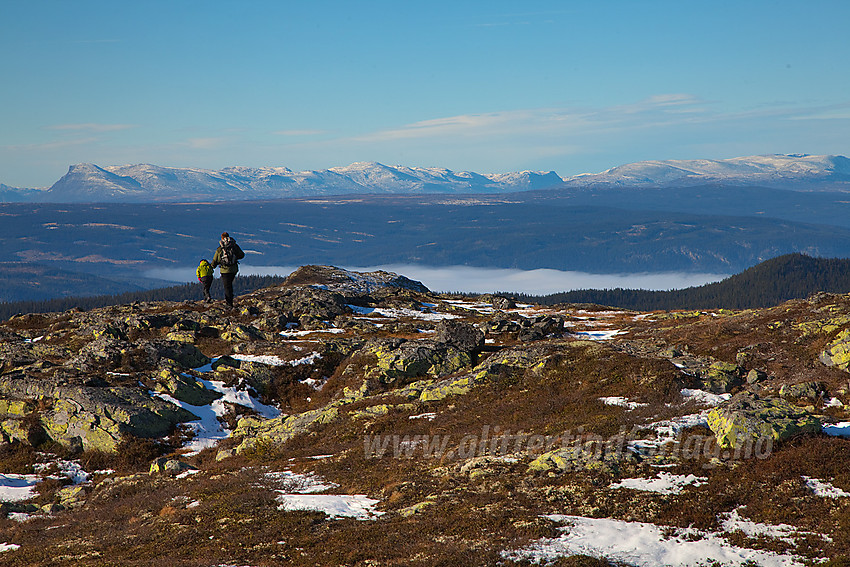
[(360, 419)]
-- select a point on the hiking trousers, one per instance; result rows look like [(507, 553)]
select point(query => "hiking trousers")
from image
[(206, 281), (227, 281)]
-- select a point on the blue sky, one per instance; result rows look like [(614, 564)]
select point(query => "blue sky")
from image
[(489, 86)]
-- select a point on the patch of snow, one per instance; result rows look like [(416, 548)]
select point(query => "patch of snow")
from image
[(834, 403), (734, 522), (357, 506), (69, 470), (824, 489), (300, 483), (600, 335), (665, 483), (9, 547), (841, 429), (705, 398), (621, 401), (315, 383), (667, 431), (17, 487), (429, 416), (393, 313), (644, 545), (272, 360), (289, 334), (299, 493)]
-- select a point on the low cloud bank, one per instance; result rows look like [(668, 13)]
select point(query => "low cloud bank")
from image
[(486, 280)]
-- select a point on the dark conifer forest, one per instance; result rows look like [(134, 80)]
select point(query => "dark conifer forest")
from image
[(792, 276)]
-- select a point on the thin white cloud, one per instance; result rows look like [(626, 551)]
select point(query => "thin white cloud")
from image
[(91, 127), (834, 112), (658, 109), (211, 143), (53, 145), (296, 133)]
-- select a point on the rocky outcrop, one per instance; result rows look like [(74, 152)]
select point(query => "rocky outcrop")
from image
[(81, 417), (184, 354), (460, 335), (721, 377), (345, 281), (837, 352), (747, 419), (540, 327), (400, 361), (183, 387)]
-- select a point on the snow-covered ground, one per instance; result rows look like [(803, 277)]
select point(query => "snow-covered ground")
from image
[(664, 483), (300, 493), (622, 402), (824, 489), (18, 487), (645, 545), (383, 313)]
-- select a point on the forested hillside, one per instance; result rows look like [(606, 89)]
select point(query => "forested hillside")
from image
[(792, 276)]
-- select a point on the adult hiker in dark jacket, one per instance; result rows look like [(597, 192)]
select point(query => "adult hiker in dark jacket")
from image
[(227, 258)]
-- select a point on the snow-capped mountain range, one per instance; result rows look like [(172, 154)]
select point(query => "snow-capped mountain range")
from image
[(151, 183), (794, 171), (88, 182)]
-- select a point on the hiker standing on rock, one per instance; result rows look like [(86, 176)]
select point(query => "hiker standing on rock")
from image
[(227, 257), (205, 276)]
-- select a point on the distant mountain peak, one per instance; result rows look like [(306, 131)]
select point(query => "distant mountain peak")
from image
[(792, 171)]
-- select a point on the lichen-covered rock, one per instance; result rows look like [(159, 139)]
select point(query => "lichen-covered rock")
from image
[(105, 350), (72, 496), (85, 417), (398, 362), (721, 377), (242, 333), (257, 432), (503, 303), (837, 353), (417, 508), (379, 410), (171, 467), (592, 457), (185, 354), (500, 324), (755, 376), (185, 388), (804, 390), (822, 326), (747, 419), (257, 375), (459, 334), (540, 327), (438, 390)]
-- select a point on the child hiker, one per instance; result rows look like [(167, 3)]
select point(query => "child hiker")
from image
[(205, 276)]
